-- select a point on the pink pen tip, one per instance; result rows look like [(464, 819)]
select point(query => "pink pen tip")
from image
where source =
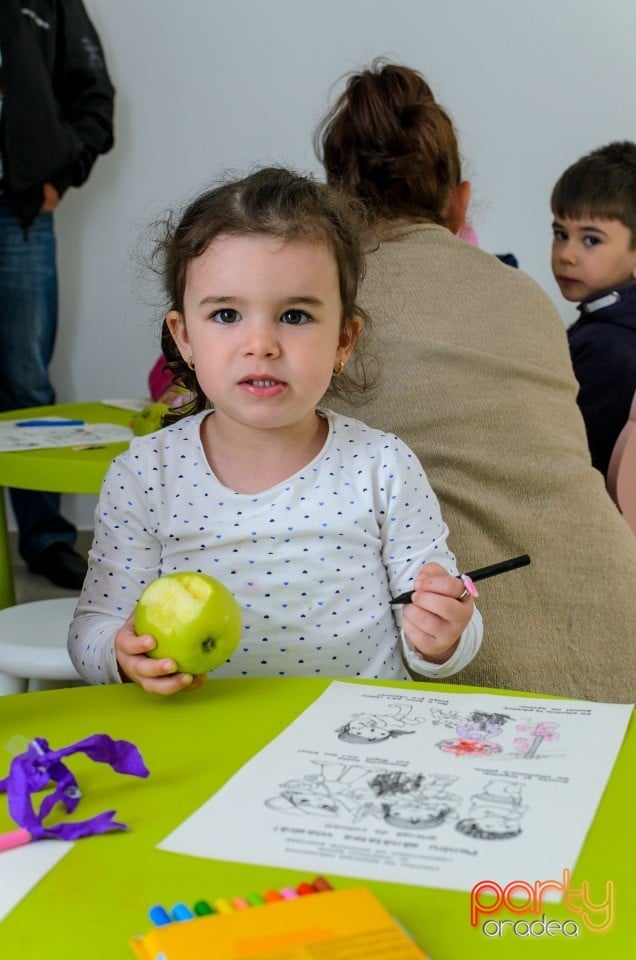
[(16, 838), (468, 583)]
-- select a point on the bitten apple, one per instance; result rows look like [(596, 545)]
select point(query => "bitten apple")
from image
[(194, 619)]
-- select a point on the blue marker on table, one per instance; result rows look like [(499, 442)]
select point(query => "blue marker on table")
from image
[(49, 423), (181, 912), (159, 916)]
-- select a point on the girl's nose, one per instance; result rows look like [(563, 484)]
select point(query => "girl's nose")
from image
[(261, 340)]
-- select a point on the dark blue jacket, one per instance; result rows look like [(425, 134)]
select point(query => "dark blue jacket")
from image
[(603, 351)]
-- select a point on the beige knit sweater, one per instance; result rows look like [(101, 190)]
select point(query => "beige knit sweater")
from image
[(477, 380)]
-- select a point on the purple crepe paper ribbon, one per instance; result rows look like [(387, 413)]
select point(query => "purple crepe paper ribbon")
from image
[(38, 766)]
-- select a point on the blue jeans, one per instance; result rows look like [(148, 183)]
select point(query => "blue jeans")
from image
[(28, 324)]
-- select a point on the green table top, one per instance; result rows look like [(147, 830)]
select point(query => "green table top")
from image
[(99, 894), (62, 469)]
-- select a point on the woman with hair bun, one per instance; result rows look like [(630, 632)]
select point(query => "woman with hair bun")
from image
[(477, 380)]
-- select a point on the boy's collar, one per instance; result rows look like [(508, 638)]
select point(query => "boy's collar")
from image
[(605, 298), (600, 302)]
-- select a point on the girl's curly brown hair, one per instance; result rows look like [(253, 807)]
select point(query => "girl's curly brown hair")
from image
[(272, 202)]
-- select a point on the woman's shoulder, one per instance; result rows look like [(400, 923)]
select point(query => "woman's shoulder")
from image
[(408, 243), (443, 286)]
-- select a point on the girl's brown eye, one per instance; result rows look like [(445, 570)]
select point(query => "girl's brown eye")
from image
[(295, 317), (226, 315)]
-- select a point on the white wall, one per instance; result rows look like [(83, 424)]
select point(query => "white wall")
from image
[(207, 85)]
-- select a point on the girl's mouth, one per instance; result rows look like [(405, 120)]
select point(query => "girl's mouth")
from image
[(263, 386)]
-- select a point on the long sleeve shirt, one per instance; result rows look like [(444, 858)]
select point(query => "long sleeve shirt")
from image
[(313, 562)]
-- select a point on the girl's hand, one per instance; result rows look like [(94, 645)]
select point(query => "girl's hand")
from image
[(435, 619), (155, 676)]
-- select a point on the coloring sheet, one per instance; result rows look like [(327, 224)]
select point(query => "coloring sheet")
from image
[(417, 787), (14, 438), (22, 868), (128, 403)]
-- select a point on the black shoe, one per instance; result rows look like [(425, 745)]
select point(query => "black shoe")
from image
[(62, 565)]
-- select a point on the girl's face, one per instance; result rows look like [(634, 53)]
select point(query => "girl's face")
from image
[(262, 323)]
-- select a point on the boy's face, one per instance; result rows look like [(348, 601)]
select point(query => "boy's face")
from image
[(590, 255)]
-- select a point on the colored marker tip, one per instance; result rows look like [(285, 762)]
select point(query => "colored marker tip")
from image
[(320, 885)]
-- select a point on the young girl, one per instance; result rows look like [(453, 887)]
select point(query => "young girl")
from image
[(313, 520)]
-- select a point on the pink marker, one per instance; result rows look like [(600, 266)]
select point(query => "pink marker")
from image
[(16, 838), (288, 893)]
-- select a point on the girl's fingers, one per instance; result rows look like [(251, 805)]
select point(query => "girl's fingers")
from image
[(131, 645), (433, 578), (423, 626), (445, 606), (434, 623), (165, 686), (147, 667), (197, 682), (155, 676)]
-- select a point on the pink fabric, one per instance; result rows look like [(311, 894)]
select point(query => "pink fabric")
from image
[(159, 378), (469, 234)]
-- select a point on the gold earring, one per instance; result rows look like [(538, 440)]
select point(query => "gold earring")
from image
[(338, 370), (191, 363)]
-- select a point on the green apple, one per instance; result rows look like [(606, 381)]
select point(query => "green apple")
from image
[(194, 619), (149, 419)]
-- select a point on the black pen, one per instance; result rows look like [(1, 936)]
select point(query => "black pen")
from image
[(481, 574)]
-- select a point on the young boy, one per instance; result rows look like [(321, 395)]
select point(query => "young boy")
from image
[(594, 263)]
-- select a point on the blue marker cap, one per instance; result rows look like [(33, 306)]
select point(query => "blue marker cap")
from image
[(181, 912), (159, 916)]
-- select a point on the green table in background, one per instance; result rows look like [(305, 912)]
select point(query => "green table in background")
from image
[(59, 469), (99, 894)]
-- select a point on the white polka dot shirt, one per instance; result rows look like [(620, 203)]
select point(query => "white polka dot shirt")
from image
[(313, 562)]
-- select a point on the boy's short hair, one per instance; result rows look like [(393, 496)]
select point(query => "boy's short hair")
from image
[(601, 184)]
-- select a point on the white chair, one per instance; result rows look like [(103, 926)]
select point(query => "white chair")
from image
[(33, 654)]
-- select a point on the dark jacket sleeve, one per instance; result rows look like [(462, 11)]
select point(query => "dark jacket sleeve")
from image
[(84, 93), (603, 366), (58, 107)]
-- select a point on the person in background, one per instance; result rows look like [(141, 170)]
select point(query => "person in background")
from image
[(56, 117), (477, 380), (594, 263)]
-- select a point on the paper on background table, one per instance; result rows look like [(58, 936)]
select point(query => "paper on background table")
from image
[(409, 805), (14, 439), (132, 403), (23, 867)]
